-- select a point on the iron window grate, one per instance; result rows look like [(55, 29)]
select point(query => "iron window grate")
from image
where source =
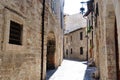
[(15, 36)]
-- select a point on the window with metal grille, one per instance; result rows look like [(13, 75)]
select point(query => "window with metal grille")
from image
[(15, 36)]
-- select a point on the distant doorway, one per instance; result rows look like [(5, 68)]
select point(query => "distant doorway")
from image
[(51, 52)]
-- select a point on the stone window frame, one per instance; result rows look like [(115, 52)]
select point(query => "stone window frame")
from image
[(11, 15)]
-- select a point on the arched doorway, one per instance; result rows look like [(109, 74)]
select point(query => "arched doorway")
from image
[(51, 44)]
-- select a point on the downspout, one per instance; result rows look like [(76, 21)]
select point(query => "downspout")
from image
[(42, 36), (86, 37), (87, 45)]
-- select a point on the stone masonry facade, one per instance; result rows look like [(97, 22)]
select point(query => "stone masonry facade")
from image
[(106, 35), (21, 60), (75, 41), (75, 44)]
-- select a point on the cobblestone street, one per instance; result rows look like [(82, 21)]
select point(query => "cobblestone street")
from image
[(71, 70)]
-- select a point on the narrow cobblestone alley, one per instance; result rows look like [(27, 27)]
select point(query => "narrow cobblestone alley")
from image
[(71, 70), (59, 39)]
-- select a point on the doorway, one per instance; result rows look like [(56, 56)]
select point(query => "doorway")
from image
[(51, 52)]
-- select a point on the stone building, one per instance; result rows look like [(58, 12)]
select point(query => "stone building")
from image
[(89, 35), (106, 35), (75, 45), (75, 37), (21, 38)]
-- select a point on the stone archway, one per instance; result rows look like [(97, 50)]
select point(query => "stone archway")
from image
[(111, 42), (51, 46)]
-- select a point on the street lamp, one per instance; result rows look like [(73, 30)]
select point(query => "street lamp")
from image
[(82, 9)]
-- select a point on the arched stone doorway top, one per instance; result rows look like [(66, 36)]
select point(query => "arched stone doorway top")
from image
[(51, 36)]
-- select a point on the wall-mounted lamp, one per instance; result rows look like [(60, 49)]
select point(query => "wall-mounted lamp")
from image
[(82, 9)]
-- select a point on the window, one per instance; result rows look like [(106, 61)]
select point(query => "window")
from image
[(71, 38), (96, 14), (15, 36), (71, 50), (97, 10), (66, 40), (90, 43), (81, 50), (66, 51), (53, 5), (81, 36)]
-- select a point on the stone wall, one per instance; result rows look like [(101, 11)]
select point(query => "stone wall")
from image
[(53, 25), (20, 61), (105, 37), (75, 45), (23, 62), (74, 24)]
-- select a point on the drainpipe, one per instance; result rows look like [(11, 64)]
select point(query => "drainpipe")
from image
[(86, 37), (42, 36), (87, 47)]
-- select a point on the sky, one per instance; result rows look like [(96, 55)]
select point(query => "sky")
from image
[(73, 6)]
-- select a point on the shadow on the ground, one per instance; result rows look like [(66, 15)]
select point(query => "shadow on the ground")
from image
[(88, 73), (50, 73)]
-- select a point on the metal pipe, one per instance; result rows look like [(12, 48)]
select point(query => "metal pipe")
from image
[(42, 36), (86, 38)]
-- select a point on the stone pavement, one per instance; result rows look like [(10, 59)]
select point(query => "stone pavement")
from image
[(71, 70), (89, 71)]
